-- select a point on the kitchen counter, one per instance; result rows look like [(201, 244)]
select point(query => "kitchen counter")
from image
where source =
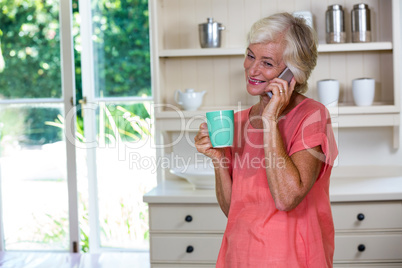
[(348, 184)]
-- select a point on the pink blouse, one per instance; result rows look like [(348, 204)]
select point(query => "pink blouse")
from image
[(257, 233)]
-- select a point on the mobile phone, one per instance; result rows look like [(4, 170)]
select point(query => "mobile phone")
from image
[(285, 75)]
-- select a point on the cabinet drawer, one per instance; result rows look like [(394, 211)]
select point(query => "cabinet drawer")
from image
[(206, 218), (367, 215), (373, 247), (185, 248)]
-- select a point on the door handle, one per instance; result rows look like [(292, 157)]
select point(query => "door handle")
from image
[(82, 102)]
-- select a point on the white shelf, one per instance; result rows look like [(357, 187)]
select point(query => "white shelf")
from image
[(201, 52), (341, 117), (351, 47), (322, 48), (376, 108)]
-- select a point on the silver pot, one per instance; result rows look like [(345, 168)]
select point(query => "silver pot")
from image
[(210, 33)]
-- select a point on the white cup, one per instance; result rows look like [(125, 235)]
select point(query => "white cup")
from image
[(328, 92), (363, 91)]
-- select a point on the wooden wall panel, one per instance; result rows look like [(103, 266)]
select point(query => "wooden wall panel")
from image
[(303, 5), (252, 13), (318, 12), (269, 7), (354, 70), (386, 71), (188, 24), (338, 71), (286, 5), (205, 79), (172, 78), (220, 14), (171, 24), (384, 21), (235, 27), (220, 79)]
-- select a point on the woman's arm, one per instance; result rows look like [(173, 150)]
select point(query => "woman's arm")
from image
[(223, 186), (290, 178), (223, 180)]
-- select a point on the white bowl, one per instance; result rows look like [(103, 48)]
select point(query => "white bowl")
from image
[(201, 176)]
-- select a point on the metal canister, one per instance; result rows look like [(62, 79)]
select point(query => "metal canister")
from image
[(361, 23), (335, 25), (210, 33)]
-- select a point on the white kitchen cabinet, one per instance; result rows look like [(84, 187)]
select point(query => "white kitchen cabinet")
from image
[(185, 234), (178, 61), (368, 233)]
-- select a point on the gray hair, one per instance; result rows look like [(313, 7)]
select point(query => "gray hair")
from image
[(300, 40)]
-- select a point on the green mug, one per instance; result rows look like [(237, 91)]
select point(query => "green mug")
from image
[(221, 128)]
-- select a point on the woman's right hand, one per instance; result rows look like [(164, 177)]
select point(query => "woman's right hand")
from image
[(204, 145)]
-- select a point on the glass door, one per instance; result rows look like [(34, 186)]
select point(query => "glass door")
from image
[(116, 105), (38, 203), (73, 172)]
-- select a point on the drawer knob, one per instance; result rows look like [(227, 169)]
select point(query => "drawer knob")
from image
[(188, 218), (361, 248), (360, 216), (190, 249)]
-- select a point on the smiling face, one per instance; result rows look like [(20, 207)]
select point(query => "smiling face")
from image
[(263, 63)]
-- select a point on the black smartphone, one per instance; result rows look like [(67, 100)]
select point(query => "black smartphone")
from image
[(285, 75)]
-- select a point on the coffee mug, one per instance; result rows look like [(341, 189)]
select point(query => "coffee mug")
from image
[(328, 92), (221, 128), (363, 91)]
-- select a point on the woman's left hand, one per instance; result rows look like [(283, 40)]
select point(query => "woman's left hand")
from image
[(281, 94)]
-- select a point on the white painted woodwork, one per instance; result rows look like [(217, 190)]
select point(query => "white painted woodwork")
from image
[(172, 248), (206, 218), (377, 215), (379, 247), (179, 62)]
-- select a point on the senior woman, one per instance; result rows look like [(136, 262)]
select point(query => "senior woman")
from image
[(273, 183)]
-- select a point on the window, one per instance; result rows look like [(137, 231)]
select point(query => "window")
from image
[(112, 127)]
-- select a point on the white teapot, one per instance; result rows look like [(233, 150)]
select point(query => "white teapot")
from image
[(189, 100)]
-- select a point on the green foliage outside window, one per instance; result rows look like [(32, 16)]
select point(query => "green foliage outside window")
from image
[(121, 48), (30, 46)]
